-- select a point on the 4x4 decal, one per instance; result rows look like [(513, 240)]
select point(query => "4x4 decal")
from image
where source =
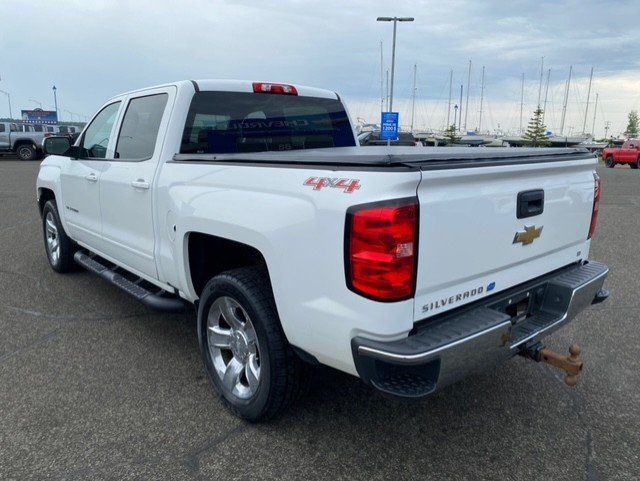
[(349, 186)]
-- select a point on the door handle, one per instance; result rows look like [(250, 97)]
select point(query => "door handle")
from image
[(91, 177), (140, 184), (530, 203)]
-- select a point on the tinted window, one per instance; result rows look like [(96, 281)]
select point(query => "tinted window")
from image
[(1, 127), (139, 130), (96, 137), (37, 128), (231, 122), (63, 129)]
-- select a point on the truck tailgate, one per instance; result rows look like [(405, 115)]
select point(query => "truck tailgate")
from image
[(472, 243)]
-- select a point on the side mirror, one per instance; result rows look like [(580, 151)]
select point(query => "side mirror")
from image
[(56, 146)]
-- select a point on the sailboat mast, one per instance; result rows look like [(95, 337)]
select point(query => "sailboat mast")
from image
[(546, 92), (566, 97), (540, 86), (595, 109), (521, 102), (381, 79), (584, 124), (413, 103), (460, 118), (449, 108), (466, 106), (481, 101)]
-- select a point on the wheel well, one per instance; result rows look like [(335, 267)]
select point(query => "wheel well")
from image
[(44, 195), (20, 142), (210, 255)]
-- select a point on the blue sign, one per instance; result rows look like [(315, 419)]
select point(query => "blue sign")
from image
[(389, 126), (39, 116)]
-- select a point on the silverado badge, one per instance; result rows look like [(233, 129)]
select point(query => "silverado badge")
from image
[(528, 236)]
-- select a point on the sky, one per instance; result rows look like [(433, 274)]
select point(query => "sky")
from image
[(92, 50)]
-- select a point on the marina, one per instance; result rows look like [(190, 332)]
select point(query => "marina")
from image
[(454, 131)]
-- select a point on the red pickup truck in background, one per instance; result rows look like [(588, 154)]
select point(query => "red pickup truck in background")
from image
[(629, 153)]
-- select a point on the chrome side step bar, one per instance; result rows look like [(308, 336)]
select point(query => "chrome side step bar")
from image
[(155, 301)]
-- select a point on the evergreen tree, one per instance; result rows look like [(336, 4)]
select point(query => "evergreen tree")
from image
[(536, 134), (451, 135), (633, 125)]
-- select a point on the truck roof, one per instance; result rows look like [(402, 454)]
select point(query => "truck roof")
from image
[(229, 85)]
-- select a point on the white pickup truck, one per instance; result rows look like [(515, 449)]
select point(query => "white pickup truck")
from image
[(409, 268)]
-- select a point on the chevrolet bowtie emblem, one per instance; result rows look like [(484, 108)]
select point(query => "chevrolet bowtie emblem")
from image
[(528, 236)]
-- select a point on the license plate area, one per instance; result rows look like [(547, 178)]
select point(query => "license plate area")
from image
[(521, 305)]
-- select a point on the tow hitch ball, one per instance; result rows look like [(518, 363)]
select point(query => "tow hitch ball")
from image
[(572, 364)]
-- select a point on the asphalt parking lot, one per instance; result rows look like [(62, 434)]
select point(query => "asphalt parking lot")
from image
[(95, 386)]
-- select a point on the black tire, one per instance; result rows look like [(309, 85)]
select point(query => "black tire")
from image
[(283, 376), (609, 162), (60, 257), (26, 152), (635, 165)]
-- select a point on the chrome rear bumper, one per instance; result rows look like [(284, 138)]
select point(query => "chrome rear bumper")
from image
[(448, 348)]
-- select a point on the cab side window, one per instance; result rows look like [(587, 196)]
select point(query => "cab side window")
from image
[(139, 131), (1, 127), (96, 137)]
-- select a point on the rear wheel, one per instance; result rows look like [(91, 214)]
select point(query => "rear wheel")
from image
[(246, 354), (609, 162), (26, 152), (635, 165), (59, 247)]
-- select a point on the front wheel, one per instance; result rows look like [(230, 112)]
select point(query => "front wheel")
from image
[(609, 162), (245, 352), (26, 152), (59, 247)]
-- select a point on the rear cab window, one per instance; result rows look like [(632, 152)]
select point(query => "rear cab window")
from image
[(239, 122), (139, 130)]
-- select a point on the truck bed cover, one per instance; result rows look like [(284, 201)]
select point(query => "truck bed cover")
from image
[(424, 158)]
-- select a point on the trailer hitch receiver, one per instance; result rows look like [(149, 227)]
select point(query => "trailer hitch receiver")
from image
[(572, 364)]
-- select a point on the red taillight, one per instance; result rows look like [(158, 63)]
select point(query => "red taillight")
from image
[(597, 193), (269, 88), (382, 243)]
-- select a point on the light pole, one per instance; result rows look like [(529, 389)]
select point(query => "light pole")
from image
[(395, 21), (455, 115), (9, 99), (55, 101), (36, 102)]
